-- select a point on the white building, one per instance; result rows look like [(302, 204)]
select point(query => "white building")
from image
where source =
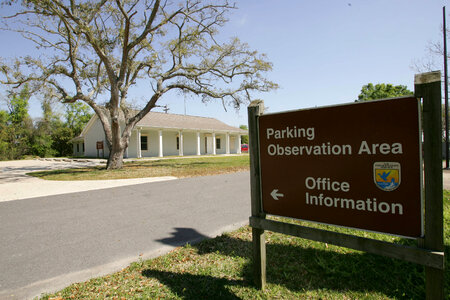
[(161, 134)]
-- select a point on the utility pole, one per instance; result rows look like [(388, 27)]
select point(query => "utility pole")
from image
[(445, 91)]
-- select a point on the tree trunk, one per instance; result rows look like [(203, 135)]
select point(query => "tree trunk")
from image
[(117, 148), (115, 159)]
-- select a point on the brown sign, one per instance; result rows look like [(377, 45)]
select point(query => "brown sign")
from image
[(100, 145), (356, 165)]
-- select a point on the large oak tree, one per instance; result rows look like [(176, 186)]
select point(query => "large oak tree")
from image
[(95, 51)]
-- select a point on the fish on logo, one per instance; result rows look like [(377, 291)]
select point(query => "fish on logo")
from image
[(387, 175)]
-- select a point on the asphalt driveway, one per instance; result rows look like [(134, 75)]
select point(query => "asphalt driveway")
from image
[(46, 243)]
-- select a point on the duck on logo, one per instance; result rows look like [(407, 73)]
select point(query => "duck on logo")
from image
[(386, 175)]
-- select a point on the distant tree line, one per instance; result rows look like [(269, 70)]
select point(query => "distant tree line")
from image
[(383, 91), (20, 136)]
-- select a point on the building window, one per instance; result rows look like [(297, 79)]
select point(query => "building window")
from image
[(83, 147), (178, 143), (144, 142), (218, 143), (78, 147)]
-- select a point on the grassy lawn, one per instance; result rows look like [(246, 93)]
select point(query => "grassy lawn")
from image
[(221, 268), (182, 167)]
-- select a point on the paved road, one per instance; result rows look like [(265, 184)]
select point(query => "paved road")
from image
[(48, 242)]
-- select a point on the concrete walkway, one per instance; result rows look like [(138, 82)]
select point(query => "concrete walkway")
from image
[(15, 184), (446, 179)]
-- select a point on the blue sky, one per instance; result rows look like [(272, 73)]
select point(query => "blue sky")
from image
[(322, 52)]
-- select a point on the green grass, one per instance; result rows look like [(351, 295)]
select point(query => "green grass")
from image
[(182, 167), (221, 268)]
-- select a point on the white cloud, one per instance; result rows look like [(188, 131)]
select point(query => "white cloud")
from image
[(242, 21)]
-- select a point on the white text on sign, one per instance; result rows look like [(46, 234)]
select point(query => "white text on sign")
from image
[(325, 148)]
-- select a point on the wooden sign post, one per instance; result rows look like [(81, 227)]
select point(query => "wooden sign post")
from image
[(355, 165), (428, 87), (256, 109)]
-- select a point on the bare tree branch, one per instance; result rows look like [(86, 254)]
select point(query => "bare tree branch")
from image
[(107, 47)]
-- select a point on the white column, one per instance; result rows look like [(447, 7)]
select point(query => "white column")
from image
[(139, 153), (160, 151), (214, 142), (227, 143), (239, 145), (180, 150), (198, 143)]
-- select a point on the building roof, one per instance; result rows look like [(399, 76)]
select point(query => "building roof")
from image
[(185, 122), (159, 120)]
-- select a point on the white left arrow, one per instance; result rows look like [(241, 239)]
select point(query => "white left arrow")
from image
[(275, 194)]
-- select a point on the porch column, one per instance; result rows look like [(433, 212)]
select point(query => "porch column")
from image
[(180, 150), (227, 141), (239, 144), (214, 142), (160, 151), (139, 153), (198, 143)]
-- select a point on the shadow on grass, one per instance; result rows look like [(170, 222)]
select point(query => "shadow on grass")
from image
[(195, 287), (299, 267), (43, 174)]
